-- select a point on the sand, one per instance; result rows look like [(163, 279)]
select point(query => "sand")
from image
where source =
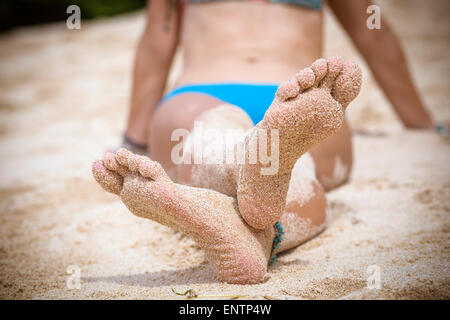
[(63, 98)]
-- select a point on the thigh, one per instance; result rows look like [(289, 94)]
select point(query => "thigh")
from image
[(178, 112), (333, 158)]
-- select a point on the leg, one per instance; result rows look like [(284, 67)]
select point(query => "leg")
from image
[(304, 215), (305, 211), (209, 114), (305, 111), (220, 132), (334, 158), (331, 85), (237, 252), (180, 112)]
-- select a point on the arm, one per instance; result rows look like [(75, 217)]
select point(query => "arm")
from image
[(383, 53), (154, 54)]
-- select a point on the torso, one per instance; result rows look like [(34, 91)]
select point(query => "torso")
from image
[(252, 41), (248, 41)]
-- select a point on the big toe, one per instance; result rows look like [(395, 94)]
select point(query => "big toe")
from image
[(109, 180), (347, 84)]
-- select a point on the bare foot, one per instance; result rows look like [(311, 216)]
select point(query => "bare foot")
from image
[(306, 110), (237, 252)]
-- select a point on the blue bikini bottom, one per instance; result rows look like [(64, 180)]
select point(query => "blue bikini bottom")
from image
[(253, 98)]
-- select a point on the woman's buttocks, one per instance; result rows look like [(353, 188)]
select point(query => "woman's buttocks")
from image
[(248, 41)]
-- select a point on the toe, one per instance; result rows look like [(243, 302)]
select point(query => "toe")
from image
[(305, 78), (151, 169), (320, 68), (110, 181), (130, 160), (288, 89), (334, 68), (133, 162), (347, 84), (111, 163), (122, 156)]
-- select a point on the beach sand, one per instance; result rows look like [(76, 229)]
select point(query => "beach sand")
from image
[(63, 101)]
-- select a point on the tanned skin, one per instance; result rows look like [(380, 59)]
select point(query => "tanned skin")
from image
[(380, 48), (154, 55), (384, 55)]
